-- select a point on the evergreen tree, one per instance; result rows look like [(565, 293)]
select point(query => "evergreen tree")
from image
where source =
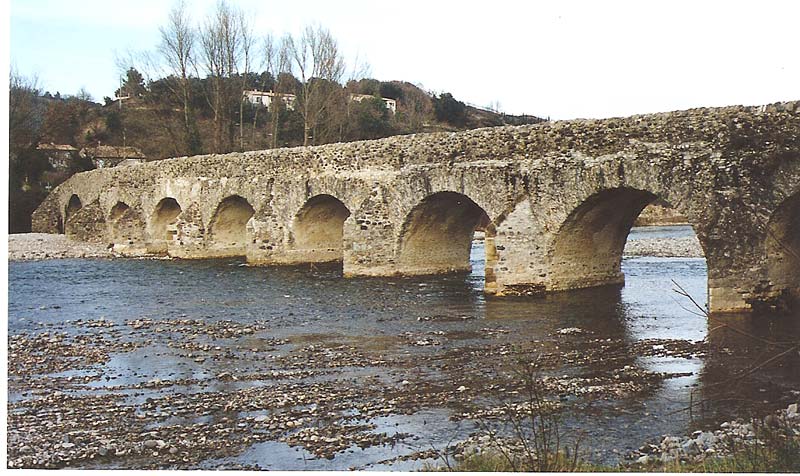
[(133, 86)]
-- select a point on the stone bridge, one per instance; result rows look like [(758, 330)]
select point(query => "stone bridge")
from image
[(556, 200)]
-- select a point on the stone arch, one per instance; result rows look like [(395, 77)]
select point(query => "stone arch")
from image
[(74, 204), (436, 235), (125, 224), (587, 249), (228, 226), (318, 227), (162, 227), (783, 252)]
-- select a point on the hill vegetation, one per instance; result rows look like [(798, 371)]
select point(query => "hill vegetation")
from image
[(205, 89)]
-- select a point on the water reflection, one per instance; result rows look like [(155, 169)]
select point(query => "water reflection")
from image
[(753, 366), (315, 304)]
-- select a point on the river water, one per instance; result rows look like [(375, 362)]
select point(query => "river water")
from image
[(412, 360)]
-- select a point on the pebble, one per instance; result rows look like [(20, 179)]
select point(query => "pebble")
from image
[(39, 246), (705, 444), (155, 444), (298, 401), (685, 247)]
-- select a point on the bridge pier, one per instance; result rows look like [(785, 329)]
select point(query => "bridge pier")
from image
[(86, 223), (368, 239)]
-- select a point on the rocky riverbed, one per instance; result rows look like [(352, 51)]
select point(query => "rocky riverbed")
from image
[(721, 442), (139, 364), (325, 394), (38, 246), (678, 247), (72, 406)]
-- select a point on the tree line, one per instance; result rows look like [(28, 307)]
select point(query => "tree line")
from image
[(200, 71), (187, 97)]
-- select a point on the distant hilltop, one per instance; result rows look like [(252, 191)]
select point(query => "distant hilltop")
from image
[(149, 119)]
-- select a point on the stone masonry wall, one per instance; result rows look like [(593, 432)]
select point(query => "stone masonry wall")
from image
[(560, 196)]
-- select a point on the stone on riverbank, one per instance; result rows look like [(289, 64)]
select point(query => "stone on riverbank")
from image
[(39, 246)]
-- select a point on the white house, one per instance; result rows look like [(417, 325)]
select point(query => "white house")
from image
[(390, 104), (265, 98)]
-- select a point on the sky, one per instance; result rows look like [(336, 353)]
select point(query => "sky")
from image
[(559, 59)]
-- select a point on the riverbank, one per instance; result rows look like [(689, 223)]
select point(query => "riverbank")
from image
[(40, 246), (674, 247), (138, 364), (758, 445)]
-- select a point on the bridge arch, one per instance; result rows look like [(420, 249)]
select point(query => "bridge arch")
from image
[(436, 235), (162, 229), (228, 226), (783, 252), (116, 221), (73, 205), (587, 249), (318, 227), (125, 224)]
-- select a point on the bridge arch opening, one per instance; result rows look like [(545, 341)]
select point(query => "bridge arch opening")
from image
[(164, 219), (73, 205), (124, 223), (783, 252), (588, 248), (318, 227), (437, 234), (228, 226)]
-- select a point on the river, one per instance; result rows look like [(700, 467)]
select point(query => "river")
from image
[(215, 364)]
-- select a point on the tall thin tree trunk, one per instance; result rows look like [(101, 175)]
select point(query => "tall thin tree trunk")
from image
[(276, 112), (241, 124)]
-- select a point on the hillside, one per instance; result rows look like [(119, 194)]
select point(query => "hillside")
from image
[(155, 126), (154, 119)]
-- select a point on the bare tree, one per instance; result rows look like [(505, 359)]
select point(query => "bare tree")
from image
[(416, 106), (26, 114), (221, 42), (276, 58), (315, 55), (178, 39), (84, 95), (25, 118), (246, 46)]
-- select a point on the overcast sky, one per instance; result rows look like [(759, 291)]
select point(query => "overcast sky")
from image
[(562, 59)]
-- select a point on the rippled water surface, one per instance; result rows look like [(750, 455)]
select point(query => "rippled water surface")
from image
[(315, 304)]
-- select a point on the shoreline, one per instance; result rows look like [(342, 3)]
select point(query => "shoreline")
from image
[(44, 246), (682, 247)]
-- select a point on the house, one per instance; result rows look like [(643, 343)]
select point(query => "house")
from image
[(60, 156), (390, 104), (265, 98), (104, 156)]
